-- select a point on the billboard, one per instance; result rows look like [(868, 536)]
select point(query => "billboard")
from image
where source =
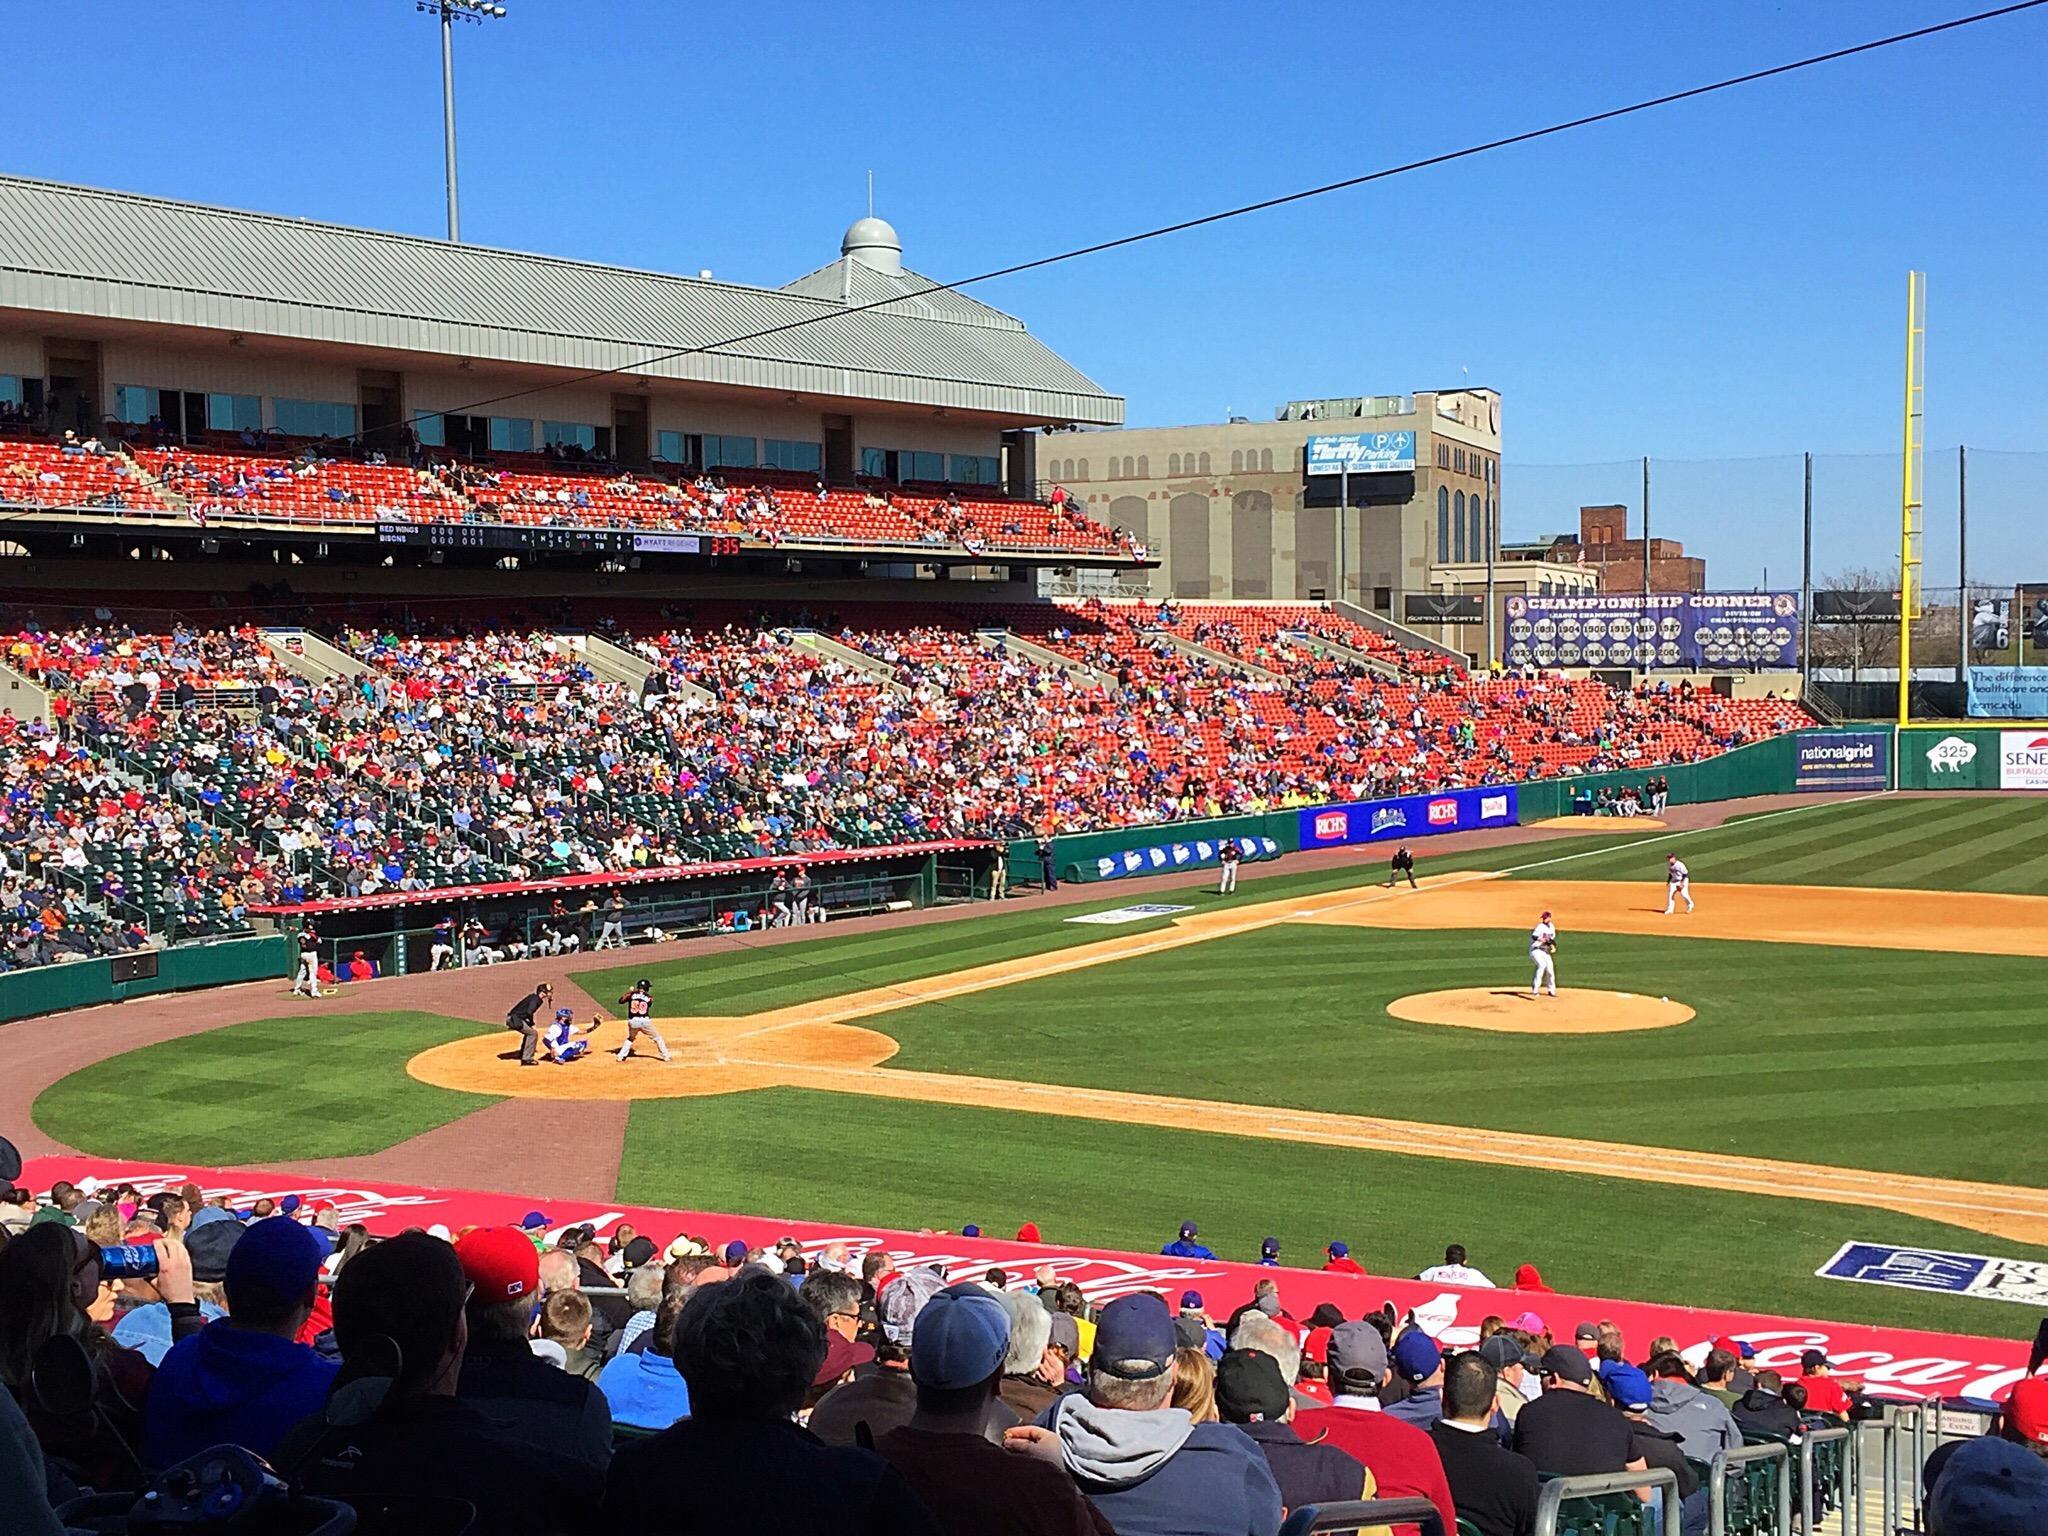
[(1855, 607), (1664, 629), (2023, 759), (1405, 816), (2009, 693), (1826, 760), (2032, 622), (1199, 853), (1361, 453), (1990, 623), (1442, 608)]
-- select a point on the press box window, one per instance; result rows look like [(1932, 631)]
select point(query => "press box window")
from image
[(874, 463), (135, 403), (511, 435), (234, 413), (315, 418), (569, 434), (779, 453), (728, 452), (922, 466), (431, 430), (668, 447), (975, 469), (10, 389)]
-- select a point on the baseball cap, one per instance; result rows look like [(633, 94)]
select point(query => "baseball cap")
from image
[(1991, 1488), (1563, 1360), (500, 1262), (1326, 1315), (1502, 1352), (1358, 1350), (1747, 1352), (1628, 1386), (1812, 1358), (736, 1251), (1065, 1334), (1416, 1355), (276, 1260), (1188, 1229), (970, 1230), (10, 1160), (1270, 1248), (1527, 1322), (963, 1333), (2026, 1411), (1191, 1301), (640, 1250), (1586, 1333), (1134, 1338), (1339, 1249), (532, 1220), (841, 1356), (210, 1247), (903, 1298), (1249, 1387), (1727, 1342)]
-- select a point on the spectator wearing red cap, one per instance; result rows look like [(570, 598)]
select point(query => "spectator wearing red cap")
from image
[(243, 1379), (526, 1396)]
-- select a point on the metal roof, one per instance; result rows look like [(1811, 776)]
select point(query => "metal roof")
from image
[(68, 250)]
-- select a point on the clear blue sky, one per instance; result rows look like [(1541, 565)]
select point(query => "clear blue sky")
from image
[(1719, 280)]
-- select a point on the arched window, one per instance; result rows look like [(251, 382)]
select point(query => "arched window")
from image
[(1236, 460), (1172, 464), (1476, 544), (1144, 466), (1443, 523), (1265, 461), (1205, 465), (1084, 471), (1458, 526), (1130, 466)]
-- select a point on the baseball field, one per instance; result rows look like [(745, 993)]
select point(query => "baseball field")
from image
[(1847, 1040)]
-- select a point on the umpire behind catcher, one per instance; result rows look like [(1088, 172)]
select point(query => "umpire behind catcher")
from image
[(525, 1017)]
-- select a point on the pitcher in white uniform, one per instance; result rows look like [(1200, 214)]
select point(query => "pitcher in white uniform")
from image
[(1677, 884), (1542, 947)]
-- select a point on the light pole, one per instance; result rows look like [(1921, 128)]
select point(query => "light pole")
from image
[(450, 12)]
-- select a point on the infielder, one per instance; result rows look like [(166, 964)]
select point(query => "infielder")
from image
[(1542, 949), (559, 1038), (1228, 856), (1677, 883), (639, 1006)]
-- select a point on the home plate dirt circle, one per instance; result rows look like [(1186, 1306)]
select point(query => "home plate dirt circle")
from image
[(1511, 1011)]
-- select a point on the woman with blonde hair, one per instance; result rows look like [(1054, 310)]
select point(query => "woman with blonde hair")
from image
[(1194, 1384)]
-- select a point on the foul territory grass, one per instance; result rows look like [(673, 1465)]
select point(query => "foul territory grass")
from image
[(830, 1157), (271, 1090)]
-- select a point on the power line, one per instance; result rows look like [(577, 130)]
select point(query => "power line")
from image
[(1387, 173)]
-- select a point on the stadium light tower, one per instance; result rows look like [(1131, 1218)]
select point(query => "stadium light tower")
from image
[(450, 12)]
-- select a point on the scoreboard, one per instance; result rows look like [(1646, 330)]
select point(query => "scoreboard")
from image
[(512, 539)]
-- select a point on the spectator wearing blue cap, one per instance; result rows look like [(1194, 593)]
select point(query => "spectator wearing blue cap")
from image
[(1269, 1252), (1194, 1329), (1630, 1388), (1145, 1464), (244, 1379), (1337, 1259), (973, 1487), (1185, 1246), (1419, 1363)]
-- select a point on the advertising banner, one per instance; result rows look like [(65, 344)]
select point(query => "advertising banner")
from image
[(1381, 821), (2031, 617), (1665, 629), (2023, 759), (1197, 853), (1943, 759), (1902, 1362), (1990, 623), (1854, 607), (1361, 453), (1826, 760), (2008, 693), (1443, 608), (1936, 1269)]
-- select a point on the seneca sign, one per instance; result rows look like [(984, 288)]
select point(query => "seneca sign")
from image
[(2023, 759)]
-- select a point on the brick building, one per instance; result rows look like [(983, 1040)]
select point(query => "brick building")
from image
[(1603, 543)]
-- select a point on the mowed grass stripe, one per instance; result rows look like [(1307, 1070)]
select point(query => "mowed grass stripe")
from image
[(834, 1158), (269, 1090)]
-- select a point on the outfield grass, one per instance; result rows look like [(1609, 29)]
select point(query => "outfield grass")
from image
[(1968, 843), (829, 1157), (271, 1090)]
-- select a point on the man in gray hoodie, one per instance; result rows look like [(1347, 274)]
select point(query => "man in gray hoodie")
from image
[(1146, 1465), (1700, 1420)]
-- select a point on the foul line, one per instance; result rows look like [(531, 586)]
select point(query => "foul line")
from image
[(1662, 837)]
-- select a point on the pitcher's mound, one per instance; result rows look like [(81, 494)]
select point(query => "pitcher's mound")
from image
[(1574, 1011)]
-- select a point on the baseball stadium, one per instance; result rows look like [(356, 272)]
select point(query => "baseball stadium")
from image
[(652, 783)]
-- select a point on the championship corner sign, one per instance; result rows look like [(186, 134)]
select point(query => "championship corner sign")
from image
[(1361, 453)]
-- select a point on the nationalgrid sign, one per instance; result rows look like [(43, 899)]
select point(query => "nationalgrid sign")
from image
[(1825, 760)]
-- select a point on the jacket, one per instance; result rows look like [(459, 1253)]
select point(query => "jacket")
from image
[(1159, 1473), (230, 1384), (1307, 1473), (644, 1390), (1701, 1422), (530, 1400)]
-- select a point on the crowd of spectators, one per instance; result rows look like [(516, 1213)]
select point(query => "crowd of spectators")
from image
[(549, 1377)]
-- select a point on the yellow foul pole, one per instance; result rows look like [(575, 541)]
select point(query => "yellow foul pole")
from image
[(1910, 486)]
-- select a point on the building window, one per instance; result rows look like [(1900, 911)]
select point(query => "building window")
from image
[(728, 452), (1443, 523), (1205, 464), (1265, 461), (1130, 467), (1144, 466), (929, 468), (511, 434), (874, 463), (568, 434), (327, 418), (668, 447), (1236, 460), (234, 413), (1475, 543), (783, 453), (134, 402), (1083, 475), (1172, 461), (1458, 526), (10, 389), (975, 469), (1443, 455), (431, 430)]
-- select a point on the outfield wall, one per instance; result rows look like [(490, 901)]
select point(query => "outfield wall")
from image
[(2010, 756), (81, 983)]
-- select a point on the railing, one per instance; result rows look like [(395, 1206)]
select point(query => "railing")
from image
[(1825, 1489), (1555, 1492), (1354, 1515), (1736, 1471)]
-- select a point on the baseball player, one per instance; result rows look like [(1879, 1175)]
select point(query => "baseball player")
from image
[(559, 1040), (1402, 863), (1677, 883), (639, 1006), (1542, 949), (1228, 855)]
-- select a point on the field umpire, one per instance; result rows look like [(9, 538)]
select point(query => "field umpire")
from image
[(1403, 863), (525, 1017)]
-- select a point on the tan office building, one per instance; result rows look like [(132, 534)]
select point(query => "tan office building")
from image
[(1231, 512)]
